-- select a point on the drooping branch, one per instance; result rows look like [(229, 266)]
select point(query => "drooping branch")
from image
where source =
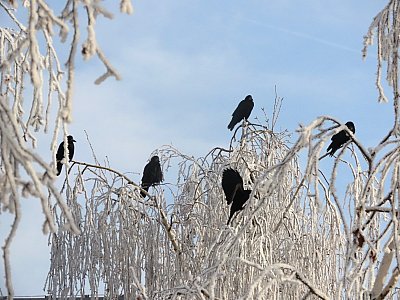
[(28, 58)]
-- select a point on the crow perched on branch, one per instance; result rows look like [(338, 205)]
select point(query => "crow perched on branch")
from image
[(340, 138), (152, 174), (242, 111), (61, 151), (232, 184)]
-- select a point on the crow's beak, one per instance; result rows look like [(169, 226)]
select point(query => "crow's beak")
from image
[(74, 141)]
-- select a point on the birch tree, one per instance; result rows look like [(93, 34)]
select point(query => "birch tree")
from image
[(303, 233), (34, 81)]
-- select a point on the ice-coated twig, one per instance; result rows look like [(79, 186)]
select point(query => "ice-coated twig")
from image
[(126, 7), (12, 16), (110, 69), (6, 249)]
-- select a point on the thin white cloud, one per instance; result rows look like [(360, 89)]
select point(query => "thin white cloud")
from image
[(303, 35)]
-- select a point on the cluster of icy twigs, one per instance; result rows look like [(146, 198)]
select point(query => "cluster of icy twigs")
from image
[(31, 77), (297, 237), (304, 232)]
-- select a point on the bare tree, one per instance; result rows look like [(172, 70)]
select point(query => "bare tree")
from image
[(303, 233), (176, 245), (26, 108)]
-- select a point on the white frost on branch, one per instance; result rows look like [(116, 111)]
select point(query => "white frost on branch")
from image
[(386, 27), (177, 242), (299, 235), (28, 54), (126, 7)]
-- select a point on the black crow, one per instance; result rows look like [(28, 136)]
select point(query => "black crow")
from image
[(152, 174), (242, 111), (60, 153), (340, 138), (232, 184)]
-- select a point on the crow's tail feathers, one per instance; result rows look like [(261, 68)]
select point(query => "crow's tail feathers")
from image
[(325, 155), (59, 168), (230, 217), (146, 188)]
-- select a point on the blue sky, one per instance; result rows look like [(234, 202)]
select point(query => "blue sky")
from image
[(186, 65)]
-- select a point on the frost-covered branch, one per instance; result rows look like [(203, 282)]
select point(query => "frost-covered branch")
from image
[(386, 26), (25, 57), (203, 255)]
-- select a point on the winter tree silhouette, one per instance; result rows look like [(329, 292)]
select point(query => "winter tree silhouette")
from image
[(305, 232)]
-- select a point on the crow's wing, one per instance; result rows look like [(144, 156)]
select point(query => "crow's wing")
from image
[(232, 182), (60, 152), (338, 140), (341, 138), (71, 150), (59, 168), (152, 173), (243, 110), (239, 110), (237, 115), (247, 108), (147, 174), (158, 175)]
